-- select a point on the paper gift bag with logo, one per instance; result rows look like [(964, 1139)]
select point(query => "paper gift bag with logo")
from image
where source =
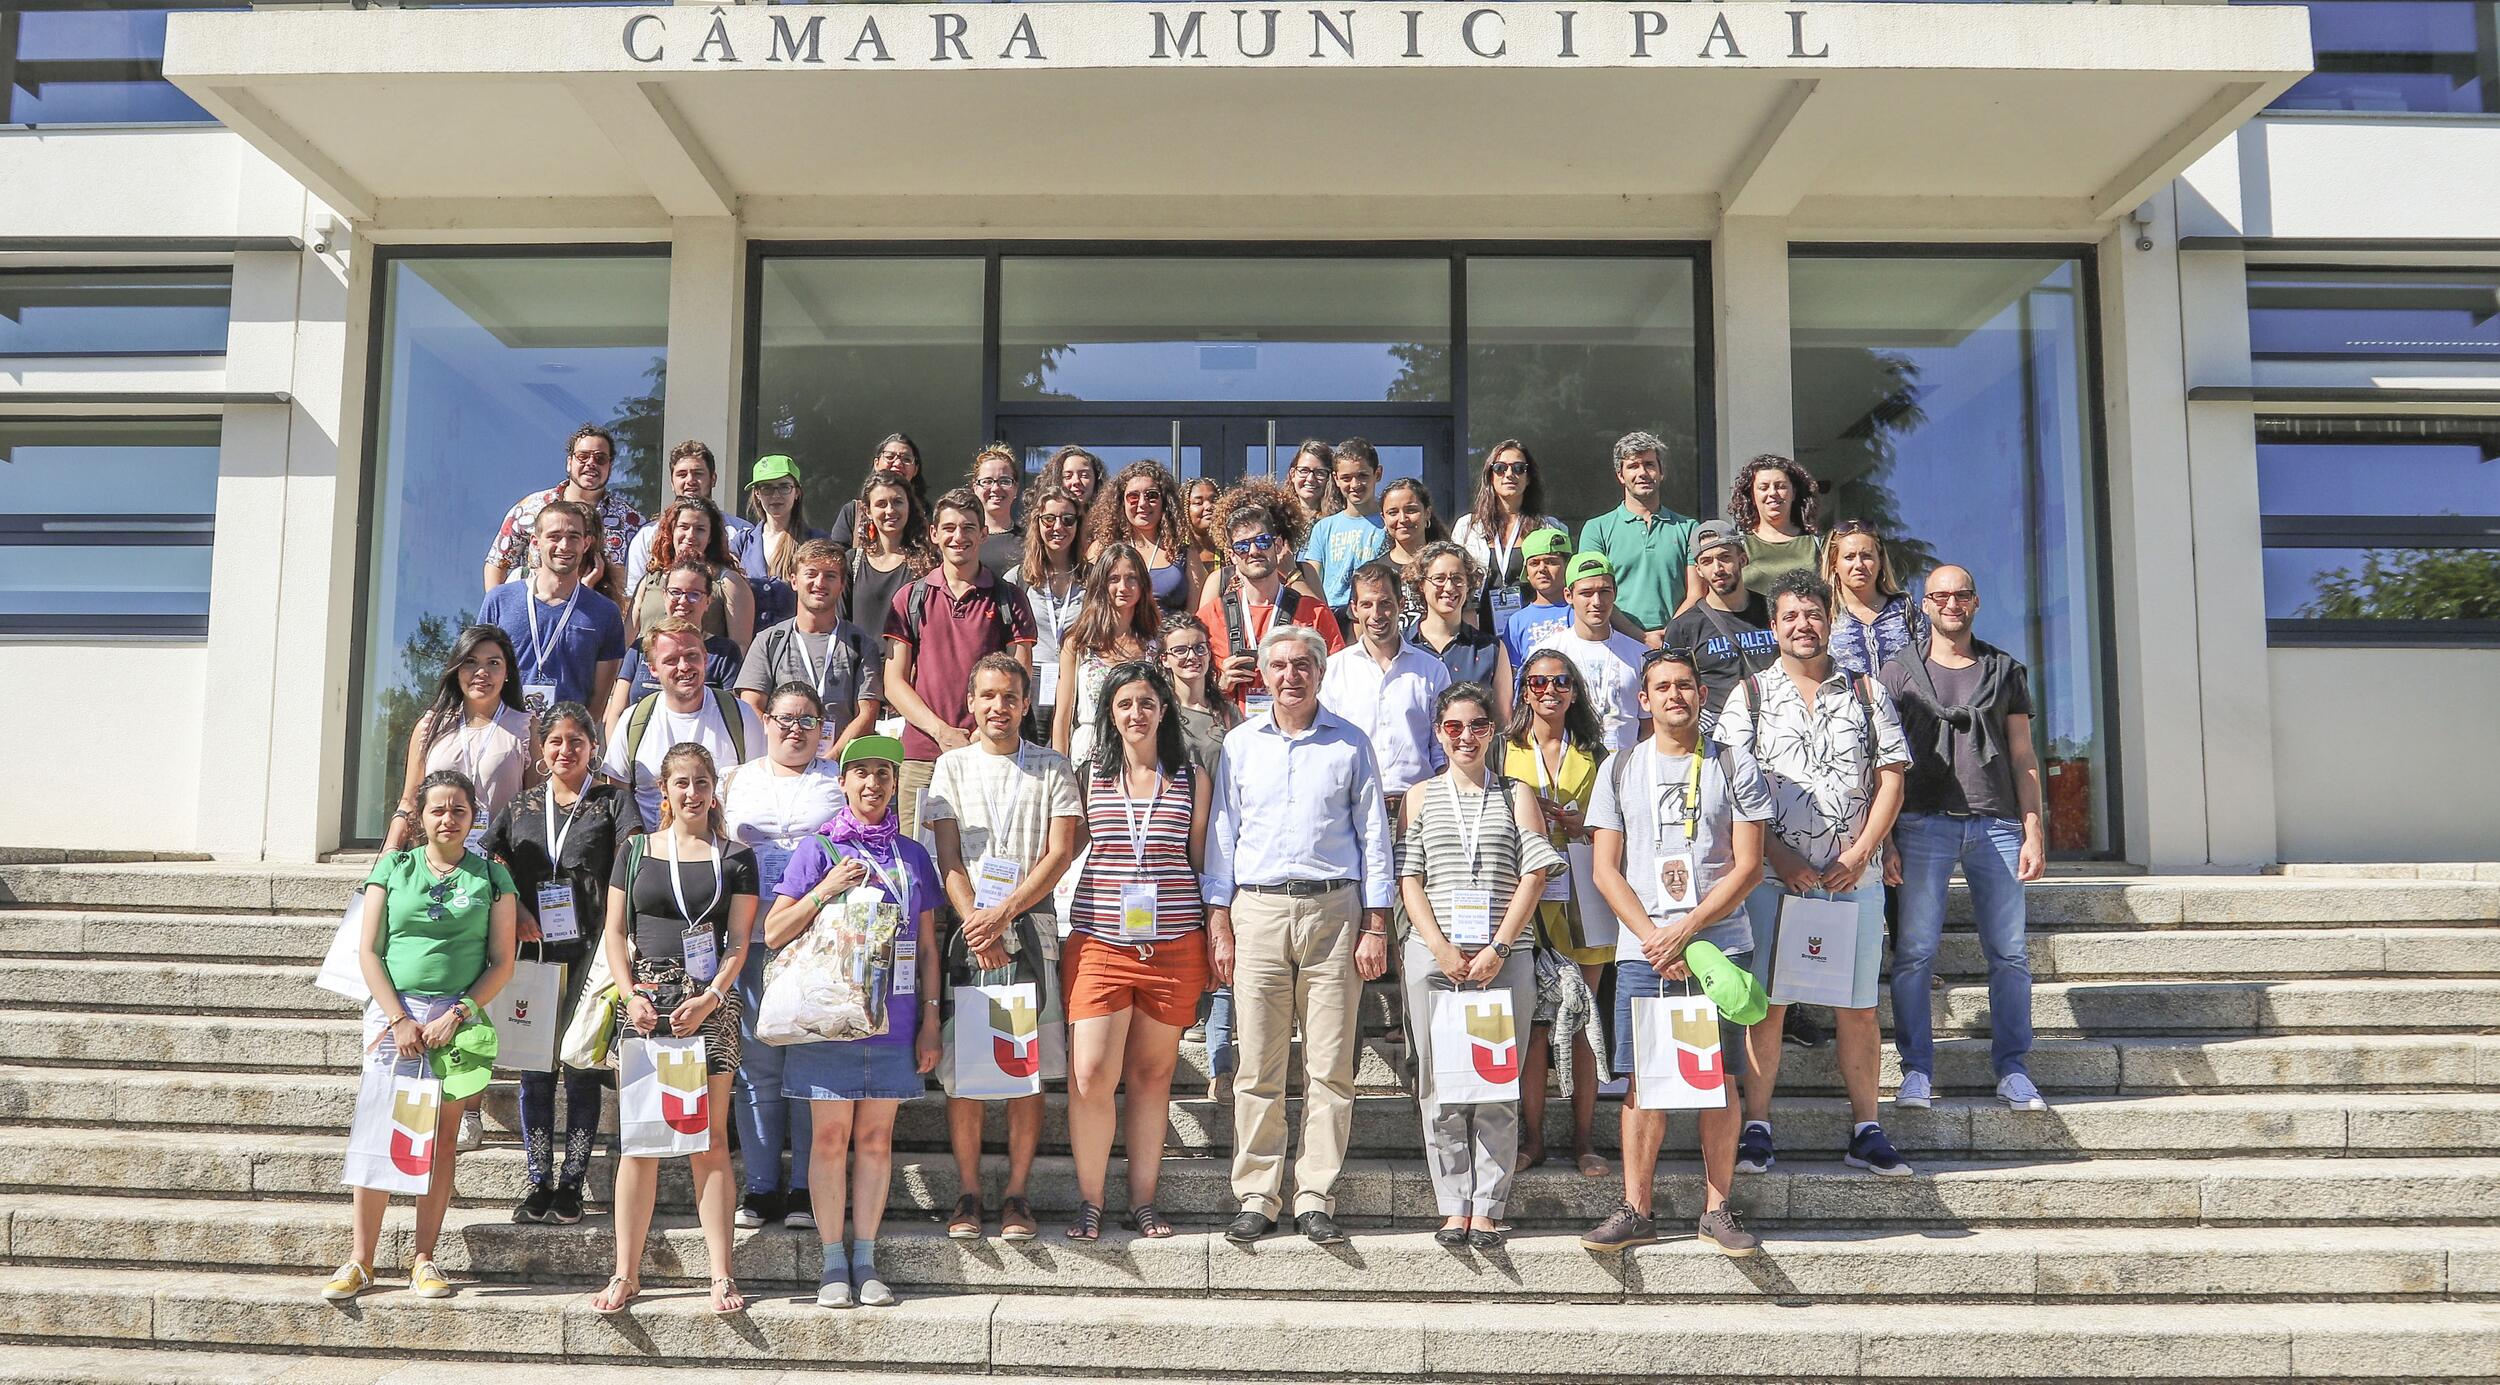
[(1814, 960), (1475, 1047), (1675, 1054), (998, 1041), (391, 1144), (663, 1098), (525, 1017), (342, 971)]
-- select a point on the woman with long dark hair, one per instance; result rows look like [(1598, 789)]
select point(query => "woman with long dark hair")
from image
[(1118, 624), (1554, 744), (1076, 471), (1142, 509), (1197, 523), (1134, 970), (778, 506), (1773, 505), (475, 724), (1406, 513), (1472, 653), (1052, 578), (889, 549), (691, 528), (1509, 506)]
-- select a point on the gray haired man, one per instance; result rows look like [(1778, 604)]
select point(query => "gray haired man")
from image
[(1649, 545)]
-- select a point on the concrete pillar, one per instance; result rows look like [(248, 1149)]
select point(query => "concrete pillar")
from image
[(706, 328), (2154, 611), (1749, 310)]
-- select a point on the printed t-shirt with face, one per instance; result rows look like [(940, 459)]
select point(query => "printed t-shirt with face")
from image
[(1720, 660), (1611, 668), (1651, 789), (702, 726), (443, 955), (843, 665), (770, 813), (659, 925), (809, 865), (568, 651), (952, 635)]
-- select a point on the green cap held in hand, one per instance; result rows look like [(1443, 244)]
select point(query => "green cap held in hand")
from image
[(468, 1062), (1735, 990)]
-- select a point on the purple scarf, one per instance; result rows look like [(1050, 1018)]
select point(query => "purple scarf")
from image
[(878, 841)]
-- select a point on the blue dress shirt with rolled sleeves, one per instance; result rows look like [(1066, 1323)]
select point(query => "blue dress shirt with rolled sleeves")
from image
[(1304, 807)]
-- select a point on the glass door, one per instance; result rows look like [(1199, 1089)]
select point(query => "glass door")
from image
[(1231, 446)]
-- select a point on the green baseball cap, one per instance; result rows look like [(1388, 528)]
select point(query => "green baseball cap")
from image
[(466, 1064), (774, 468), (872, 748), (1588, 565), (1547, 543), (1736, 991)]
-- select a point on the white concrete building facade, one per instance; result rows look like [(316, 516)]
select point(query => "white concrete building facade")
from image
[(2186, 351)]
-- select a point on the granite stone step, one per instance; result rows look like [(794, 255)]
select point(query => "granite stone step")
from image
[(170, 1365), (2225, 1190), (1226, 1338), (1992, 1264)]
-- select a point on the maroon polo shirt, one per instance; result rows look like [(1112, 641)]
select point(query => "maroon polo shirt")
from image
[(949, 638)]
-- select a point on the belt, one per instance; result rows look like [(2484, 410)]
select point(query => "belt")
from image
[(1300, 889)]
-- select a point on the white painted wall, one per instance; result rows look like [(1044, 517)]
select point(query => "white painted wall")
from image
[(133, 786), (2386, 754)]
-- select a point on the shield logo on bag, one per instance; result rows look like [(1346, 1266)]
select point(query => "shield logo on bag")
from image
[(1493, 1042), (685, 1097), (1015, 1034), (412, 1130), (1814, 947), (1697, 1054)]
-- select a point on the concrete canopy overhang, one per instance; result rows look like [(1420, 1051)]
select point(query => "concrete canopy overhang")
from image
[(1371, 117)]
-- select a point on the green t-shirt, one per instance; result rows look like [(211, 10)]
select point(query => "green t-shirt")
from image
[(434, 931), (1649, 557), (1767, 562)]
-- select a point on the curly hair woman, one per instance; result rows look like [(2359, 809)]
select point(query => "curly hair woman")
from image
[(1142, 508), (1773, 505)]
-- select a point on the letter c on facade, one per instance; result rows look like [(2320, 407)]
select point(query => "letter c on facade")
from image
[(1467, 31), (634, 23)]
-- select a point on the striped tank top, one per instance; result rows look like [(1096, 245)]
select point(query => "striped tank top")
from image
[(1111, 817)]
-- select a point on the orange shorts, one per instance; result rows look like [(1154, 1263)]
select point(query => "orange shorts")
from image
[(1105, 978)]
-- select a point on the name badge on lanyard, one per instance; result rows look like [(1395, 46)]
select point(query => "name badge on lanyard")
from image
[(1471, 917), (906, 949), (555, 913), (1506, 599), (1137, 911), (996, 880), (702, 949), (1137, 901), (702, 954), (538, 697), (537, 693)]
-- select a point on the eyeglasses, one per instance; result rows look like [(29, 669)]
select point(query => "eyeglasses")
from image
[(1959, 598), (797, 723), (1306, 473), (1445, 579), (1454, 729), (992, 483), (896, 456), (1510, 468), (1186, 651), (1546, 682), (675, 595), (1256, 543)]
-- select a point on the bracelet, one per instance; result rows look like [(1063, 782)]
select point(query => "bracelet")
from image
[(1375, 932)]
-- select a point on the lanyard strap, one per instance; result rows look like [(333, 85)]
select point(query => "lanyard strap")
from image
[(538, 650), (1470, 834), (1250, 632), (677, 886), (1138, 822), (815, 679), (1502, 549), (555, 839), (897, 882), (998, 818), (1057, 619)]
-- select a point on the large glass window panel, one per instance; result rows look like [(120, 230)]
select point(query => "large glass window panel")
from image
[(105, 525), (2364, 315), (76, 62), (2380, 528), (1224, 329), (2397, 56), (1948, 401), (102, 312), (1569, 354), (851, 349), (488, 364)]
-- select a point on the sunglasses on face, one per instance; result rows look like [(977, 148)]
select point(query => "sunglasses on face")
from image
[(1057, 520), (1509, 468), (1456, 730), (797, 723), (1256, 543), (1960, 598), (1546, 682)]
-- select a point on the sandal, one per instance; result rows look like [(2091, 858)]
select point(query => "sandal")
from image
[(965, 1223), (1088, 1223), (1149, 1223), (726, 1300), (609, 1300), (1594, 1165), (1016, 1221)]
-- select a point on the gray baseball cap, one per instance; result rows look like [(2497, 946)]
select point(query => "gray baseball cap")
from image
[(1716, 533)]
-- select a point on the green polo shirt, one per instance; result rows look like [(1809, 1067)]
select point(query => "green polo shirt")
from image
[(1649, 557)]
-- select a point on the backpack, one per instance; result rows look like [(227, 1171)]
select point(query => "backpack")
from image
[(916, 610), (638, 725), (1291, 606)]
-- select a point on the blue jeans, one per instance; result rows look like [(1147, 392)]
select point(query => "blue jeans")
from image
[(1987, 849), (1221, 1058), (767, 1120)]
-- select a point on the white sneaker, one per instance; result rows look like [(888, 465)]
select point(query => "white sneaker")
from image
[(1918, 1091), (2018, 1092), (472, 1130)]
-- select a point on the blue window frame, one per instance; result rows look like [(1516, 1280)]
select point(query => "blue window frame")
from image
[(2380, 530), (106, 526), (115, 312), (2335, 313), (89, 62), (2415, 56)]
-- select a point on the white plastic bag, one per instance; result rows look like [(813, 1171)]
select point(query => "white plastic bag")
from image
[(342, 971), (1814, 959), (525, 1015), (834, 980)]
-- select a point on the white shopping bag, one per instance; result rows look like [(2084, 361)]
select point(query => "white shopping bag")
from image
[(525, 1017), (1675, 1054), (998, 1041), (342, 971), (1597, 922), (1814, 958), (1475, 1047), (391, 1145), (663, 1098)]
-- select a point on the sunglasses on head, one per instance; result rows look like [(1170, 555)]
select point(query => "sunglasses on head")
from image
[(1856, 526), (1680, 653)]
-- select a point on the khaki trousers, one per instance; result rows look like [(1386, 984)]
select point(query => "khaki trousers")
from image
[(910, 784), (1293, 959)]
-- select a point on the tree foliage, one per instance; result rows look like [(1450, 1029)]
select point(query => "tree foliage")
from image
[(2411, 584)]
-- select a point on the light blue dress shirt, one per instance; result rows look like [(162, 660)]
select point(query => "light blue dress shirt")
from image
[(1304, 807)]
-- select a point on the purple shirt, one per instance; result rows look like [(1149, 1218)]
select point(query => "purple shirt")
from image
[(809, 866)]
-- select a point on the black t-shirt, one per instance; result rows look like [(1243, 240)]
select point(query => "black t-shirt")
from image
[(1000, 552), (1726, 645), (871, 596), (659, 929), (1964, 785), (594, 828)]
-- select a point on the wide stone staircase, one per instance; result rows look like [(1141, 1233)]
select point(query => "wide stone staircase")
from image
[(2274, 1152)]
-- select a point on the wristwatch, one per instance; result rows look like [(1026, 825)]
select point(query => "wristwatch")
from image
[(1502, 950)]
